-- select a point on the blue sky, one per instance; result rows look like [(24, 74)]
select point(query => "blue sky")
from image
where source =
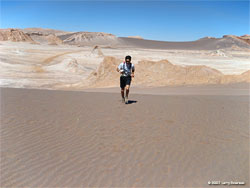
[(156, 20)]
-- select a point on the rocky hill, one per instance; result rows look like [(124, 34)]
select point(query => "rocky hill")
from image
[(162, 73), (56, 37), (90, 39), (14, 35)]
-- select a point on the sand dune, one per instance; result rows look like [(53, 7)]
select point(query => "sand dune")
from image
[(201, 44), (135, 37), (162, 73), (81, 139), (243, 77), (233, 89), (106, 74)]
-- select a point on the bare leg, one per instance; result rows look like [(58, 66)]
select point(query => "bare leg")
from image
[(122, 93), (127, 90)]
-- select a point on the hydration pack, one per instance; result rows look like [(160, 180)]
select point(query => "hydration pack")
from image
[(125, 71)]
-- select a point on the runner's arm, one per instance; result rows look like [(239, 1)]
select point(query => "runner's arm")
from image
[(118, 68), (133, 70)]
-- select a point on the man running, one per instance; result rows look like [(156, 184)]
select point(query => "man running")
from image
[(126, 70)]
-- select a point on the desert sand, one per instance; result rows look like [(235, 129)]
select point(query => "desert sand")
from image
[(90, 139), (63, 123)]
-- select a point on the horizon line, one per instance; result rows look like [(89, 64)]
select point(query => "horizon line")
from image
[(129, 36)]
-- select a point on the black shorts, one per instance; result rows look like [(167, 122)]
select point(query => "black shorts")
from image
[(125, 80)]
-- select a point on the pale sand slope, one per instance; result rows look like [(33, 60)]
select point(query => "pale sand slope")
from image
[(215, 89), (80, 139)]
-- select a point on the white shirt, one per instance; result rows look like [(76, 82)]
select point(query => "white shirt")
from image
[(126, 67)]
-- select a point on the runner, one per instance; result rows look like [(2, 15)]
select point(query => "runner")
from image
[(126, 70)]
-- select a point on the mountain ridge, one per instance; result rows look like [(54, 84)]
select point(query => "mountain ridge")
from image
[(85, 38)]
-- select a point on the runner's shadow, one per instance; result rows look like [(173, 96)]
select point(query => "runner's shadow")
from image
[(131, 101)]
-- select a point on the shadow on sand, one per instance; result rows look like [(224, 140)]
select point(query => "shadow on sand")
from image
[(131, 101)]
